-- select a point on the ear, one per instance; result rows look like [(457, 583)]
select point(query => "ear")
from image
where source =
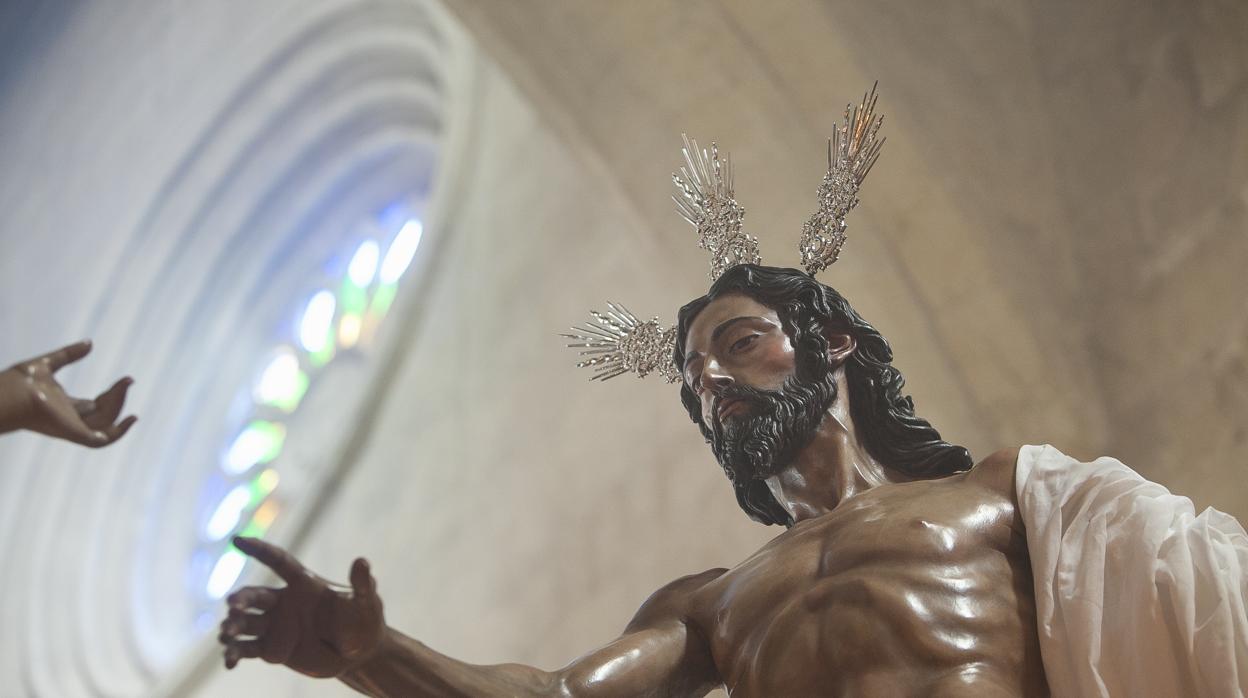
[(841, 345)]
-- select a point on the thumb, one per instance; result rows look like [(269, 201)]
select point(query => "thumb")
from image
[(362, 582)]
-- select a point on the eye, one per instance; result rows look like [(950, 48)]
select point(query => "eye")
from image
[(743, 343)]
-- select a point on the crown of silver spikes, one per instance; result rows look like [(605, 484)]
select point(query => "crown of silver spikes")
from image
[(704, 198), (616, 342), (852, 151)]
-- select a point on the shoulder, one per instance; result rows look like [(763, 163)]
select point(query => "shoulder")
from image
[(673, 601), (996, 472), (1004, 459)]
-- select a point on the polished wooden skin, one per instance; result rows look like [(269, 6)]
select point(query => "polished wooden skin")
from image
[(919, 588), (31, 398), (885, 585)]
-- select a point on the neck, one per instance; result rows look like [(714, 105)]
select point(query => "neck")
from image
[(832, 468)]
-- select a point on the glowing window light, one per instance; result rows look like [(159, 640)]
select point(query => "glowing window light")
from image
[(262, 486), (382, 300), (260, 442), (315, 326), (282, 384), (228, 512), (261, 520), (265, 515), (401, 251), (363, 266), (227, 570), (349, 330), (352, 299), (205, 621)]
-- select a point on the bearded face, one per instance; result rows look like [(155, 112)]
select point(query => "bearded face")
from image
[(756, 439), (741, 367)]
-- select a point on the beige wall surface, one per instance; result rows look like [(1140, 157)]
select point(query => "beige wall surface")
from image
[(1063, 197)]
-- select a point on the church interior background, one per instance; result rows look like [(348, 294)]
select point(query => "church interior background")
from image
[(335, 240)]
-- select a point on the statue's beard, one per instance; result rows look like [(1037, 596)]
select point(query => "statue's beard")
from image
[(759, 441)]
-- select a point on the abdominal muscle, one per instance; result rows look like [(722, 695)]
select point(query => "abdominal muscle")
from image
[(917, 588)]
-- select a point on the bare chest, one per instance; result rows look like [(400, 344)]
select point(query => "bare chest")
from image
[(895, 592)]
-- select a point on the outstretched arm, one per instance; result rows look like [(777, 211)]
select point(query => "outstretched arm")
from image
[(30, 398), (659, 654), (319, 631)]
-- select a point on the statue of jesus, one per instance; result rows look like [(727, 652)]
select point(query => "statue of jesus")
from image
[(905, 569)]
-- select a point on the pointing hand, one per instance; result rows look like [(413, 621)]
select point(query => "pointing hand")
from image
[(309, 625)]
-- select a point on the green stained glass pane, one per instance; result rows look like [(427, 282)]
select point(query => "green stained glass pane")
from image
[(352, 299), (259, 442), (382, 300), (321, 357), (261, 486)]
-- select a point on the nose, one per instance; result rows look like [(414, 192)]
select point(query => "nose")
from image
[(714, 378)]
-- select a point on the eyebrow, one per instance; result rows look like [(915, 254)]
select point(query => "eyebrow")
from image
[(716, 333), (723, 326)]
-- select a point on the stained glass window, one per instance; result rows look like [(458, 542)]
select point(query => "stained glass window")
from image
[(326, 326)]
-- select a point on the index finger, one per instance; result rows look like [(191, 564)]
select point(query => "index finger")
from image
[(273, 557), (67, 354)]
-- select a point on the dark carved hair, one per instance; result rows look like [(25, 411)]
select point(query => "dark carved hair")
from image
[(883, 417)]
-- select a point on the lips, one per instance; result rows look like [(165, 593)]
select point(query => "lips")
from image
[(728, 407)]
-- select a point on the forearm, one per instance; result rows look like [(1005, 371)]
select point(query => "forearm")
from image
[(404, 667)]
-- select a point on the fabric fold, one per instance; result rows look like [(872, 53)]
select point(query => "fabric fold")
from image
[(1136, 594)]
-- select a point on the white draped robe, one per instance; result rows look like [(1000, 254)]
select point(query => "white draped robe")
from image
[(1136, 594)]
